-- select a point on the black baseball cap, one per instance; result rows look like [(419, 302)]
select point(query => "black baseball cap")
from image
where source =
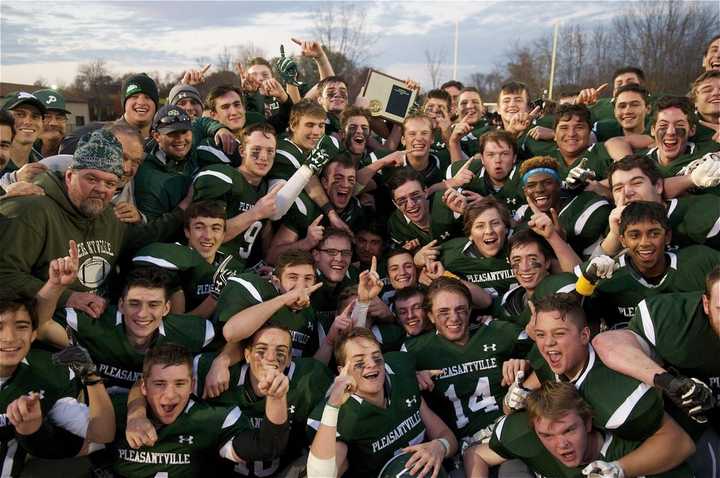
[(171, 118)]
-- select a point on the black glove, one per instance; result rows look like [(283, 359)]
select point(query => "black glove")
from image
[(221, 276), (689, 394), (287, 68), (78, 359)]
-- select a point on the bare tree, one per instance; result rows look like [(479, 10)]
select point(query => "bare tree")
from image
[(248, 51), (342, 28), (434, 62), (224, 61)]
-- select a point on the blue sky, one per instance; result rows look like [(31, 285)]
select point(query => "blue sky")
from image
[(50, 40)]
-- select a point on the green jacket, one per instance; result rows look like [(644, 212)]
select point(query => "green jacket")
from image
[(34, 230)]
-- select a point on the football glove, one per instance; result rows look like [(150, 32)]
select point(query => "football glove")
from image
[(578, 176), (689, 394), (287, 68), (326, 148), (704, 172), (77, 359), (603, 469), (516, 395)]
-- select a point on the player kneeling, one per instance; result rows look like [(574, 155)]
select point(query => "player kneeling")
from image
[(373, 412)]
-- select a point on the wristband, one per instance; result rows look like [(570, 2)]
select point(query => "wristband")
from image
[(584, 286), (89, 383), (445, 445), (327, 208), (330, 415)]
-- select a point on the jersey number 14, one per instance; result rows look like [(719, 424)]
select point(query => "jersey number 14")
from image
[(482, 399)]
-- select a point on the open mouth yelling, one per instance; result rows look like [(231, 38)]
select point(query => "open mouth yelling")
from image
[(542, 202), (568, 456), (373, 376), (553, 358)]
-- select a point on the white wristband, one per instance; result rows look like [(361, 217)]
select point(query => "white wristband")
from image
[(330, 416), (445, 444)]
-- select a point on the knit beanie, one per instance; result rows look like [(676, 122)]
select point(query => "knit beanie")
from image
[(181, 91), (140, 83), (99, 150)]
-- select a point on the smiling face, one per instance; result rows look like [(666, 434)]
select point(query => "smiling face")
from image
[(410, 199), (634, 185), (566, 438), (498, 160), (176, 143), (307, 131), (510, 104), (529, 265), (711, 60), (16, 335), (90, 190), (417, 137), (435, 109), (367, 366), (143, 309), (295, 277), (543, 190), (167, 390), (258, 155), (356, 134), (572, 136), (411, 314), (270, 349), (707, 98), (334, 97), (139, 110), (54, 125), (401, 271), (645, 243), (230, 111), (488, 233), (332, 258), (260, 73), (191, 106), (671, 131), (5, 143), (28, 123), (630, 111), (451, 315), (338, 181), (562, 344), (470, 107), (206, 235)]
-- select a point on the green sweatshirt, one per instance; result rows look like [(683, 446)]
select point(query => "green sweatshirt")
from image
[(34, 230)]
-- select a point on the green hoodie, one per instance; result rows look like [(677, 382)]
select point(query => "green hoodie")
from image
[(34, 230)]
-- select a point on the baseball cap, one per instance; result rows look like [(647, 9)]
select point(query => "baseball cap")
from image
[(181, 91), (52, 100), (13, 100), (171, 118)]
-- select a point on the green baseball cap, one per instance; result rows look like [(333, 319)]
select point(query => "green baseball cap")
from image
[(52, 100), (13, 100)]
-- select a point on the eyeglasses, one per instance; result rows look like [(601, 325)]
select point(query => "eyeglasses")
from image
[(334, 252), (415, 197)]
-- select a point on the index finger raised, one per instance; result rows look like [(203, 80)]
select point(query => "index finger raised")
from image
[(317, 220), (205, 68), (601, 87), (373, 265), (535, 112), (296, 41)]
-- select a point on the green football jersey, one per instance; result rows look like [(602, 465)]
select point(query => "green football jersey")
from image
[(695, 219), (309, 379), (513, 437), (679, 331), (324, 300), (616, 298), (304, 211), (602, 109), (461, 257), (511, 193), (118, 362), (468, 395), (193, 445), (390, 335), (433, 173), (512, 305), (225, 183), (188, 268), (676, 166), (621, 404), (248, 289), (470, 143), (372, 434), (35, 373), (598, 160), (583, 217), (288, 159), (402, 229)]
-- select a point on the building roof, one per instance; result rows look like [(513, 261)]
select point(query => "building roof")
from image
[(6, 88)]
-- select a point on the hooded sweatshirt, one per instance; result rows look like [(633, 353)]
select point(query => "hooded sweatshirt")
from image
[(34, 230)]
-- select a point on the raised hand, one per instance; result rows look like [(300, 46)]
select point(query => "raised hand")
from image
[(63, 270), (369, 284), (430, 251), (25, 413), (195, 77), (310, 49), (299, 298), (589, 96), (343, 386), (315, 231)]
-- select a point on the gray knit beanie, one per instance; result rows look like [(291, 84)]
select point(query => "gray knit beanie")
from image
[(99, 150)]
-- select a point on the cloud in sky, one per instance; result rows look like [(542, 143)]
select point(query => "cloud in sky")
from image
[(50, 40)]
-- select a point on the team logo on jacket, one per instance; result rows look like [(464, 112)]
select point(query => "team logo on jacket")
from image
[(93, 271)]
